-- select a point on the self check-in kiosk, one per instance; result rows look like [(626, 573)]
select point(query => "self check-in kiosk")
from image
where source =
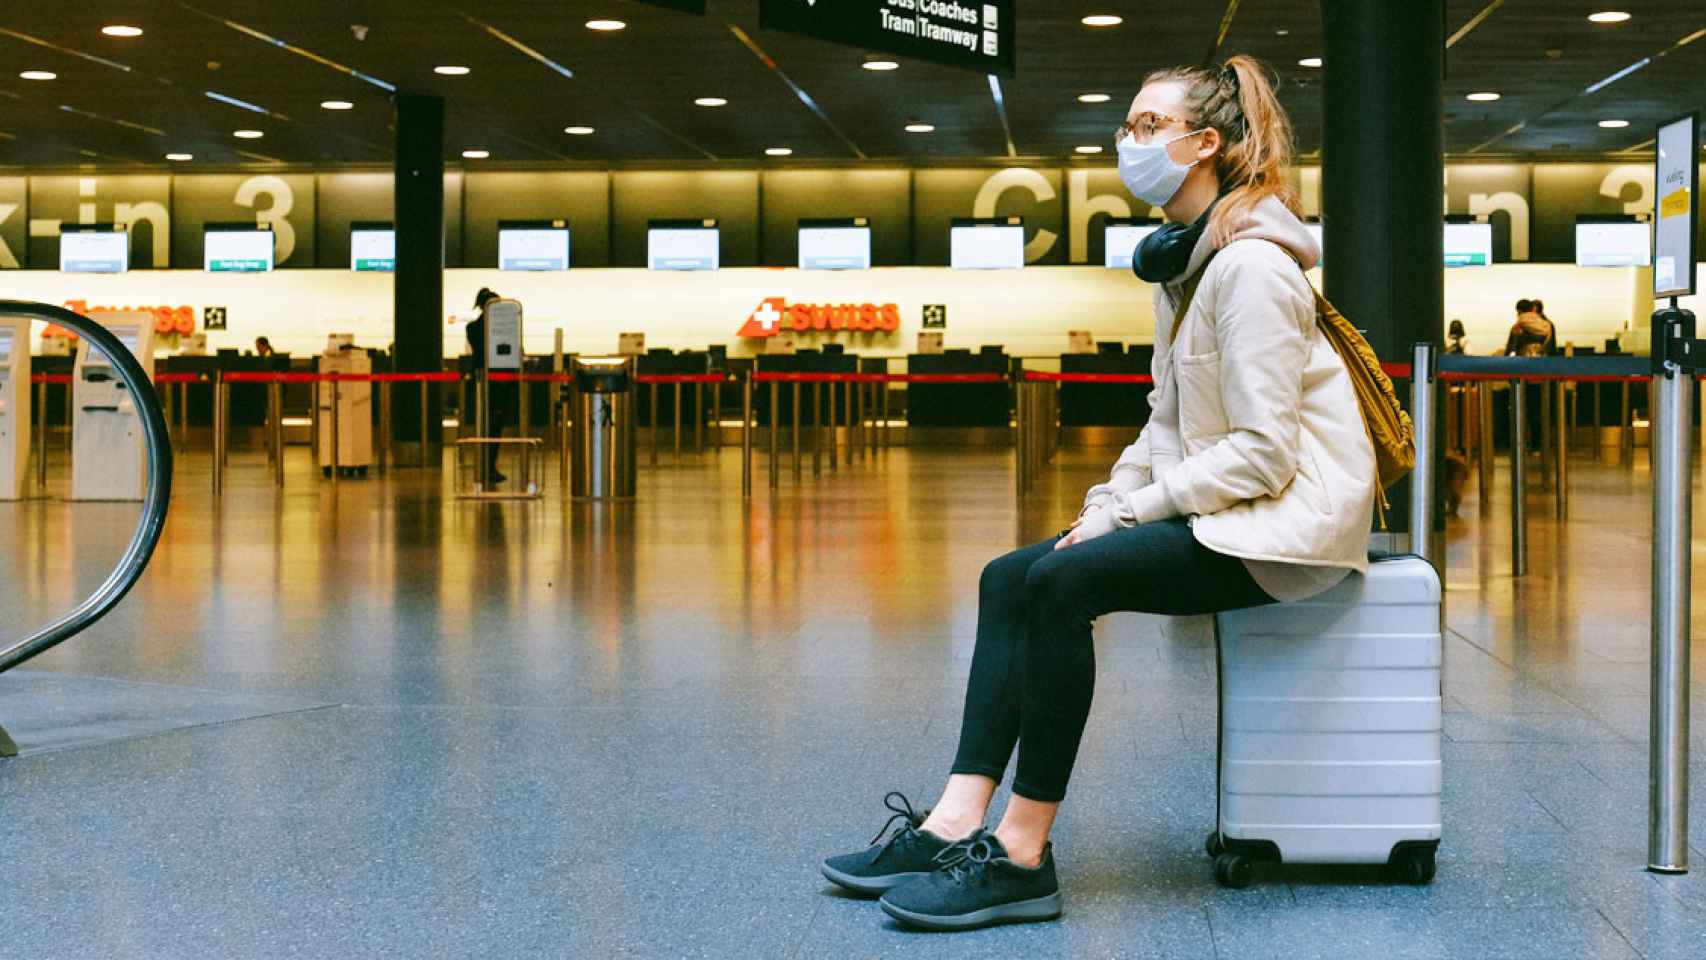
[(354, 429), (14, 406), (106, 429)]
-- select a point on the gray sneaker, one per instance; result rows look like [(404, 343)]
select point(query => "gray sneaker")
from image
[(978, 886)]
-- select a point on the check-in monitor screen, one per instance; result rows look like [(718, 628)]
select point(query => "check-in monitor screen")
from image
[(105, 251), (986, 247), (1120, 242), (683, 248), (373, 250), (1614, 244), (237, 251), (533, 248), (835, 248), (1468, 244)]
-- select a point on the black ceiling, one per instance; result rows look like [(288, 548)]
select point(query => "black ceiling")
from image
[(128, 102)]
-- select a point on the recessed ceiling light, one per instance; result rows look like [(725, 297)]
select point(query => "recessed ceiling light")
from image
[(1483, 97), (1614, 124), (711, 102), (1090, 148), (118, 30), (1312, 62), (180, 157), (38, 75), (475, 154), (1608, 16), (920, 128), (779, 151), (579, 131), (880, 65), (1093, 98), (451, 71), (1282, 32), (247, 134), (336, 105), (606, 26), (1102, 20)]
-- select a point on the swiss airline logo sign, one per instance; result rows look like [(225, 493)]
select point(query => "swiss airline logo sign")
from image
[(775, 314)]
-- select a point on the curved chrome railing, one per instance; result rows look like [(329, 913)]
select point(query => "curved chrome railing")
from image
[(154, 503)]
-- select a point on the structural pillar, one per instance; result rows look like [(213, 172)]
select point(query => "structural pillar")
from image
[(1382, 183), (418, 281)]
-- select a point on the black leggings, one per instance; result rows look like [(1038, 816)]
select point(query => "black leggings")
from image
[(1034, 669)]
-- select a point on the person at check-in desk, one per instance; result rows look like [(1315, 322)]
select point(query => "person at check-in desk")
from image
[(1254, 481), (501, 396)]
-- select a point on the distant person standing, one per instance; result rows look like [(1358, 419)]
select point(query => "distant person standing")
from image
[(499, 396), (1532, 334), (1456, 341), (263, 347)]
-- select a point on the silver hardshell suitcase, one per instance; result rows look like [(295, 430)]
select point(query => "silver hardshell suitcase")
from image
[(1330, 727)]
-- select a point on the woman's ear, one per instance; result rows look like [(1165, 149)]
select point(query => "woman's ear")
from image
[(1209, 144)]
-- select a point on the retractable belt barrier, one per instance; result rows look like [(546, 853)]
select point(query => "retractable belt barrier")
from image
[(156, 499)]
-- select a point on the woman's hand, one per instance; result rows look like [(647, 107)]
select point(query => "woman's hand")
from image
[(1089, 525)]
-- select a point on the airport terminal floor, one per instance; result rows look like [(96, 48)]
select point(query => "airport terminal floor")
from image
[(373, 720)]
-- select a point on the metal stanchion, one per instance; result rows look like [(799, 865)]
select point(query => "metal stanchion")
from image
[(847, 390), (698, 417), (1548, 455), (817, 428), (1484, 446), (1673, 522), (717, 414), (884, 405), (41, 437), (1021, 442), (384, 425), (1519, 482), (1625, 430), (1424, 413), (218, 432), (834, 441), (745, 436), (675, 425), (794, 424), (655, 437), (277, 390), (424, 404), (335, 418), (1561, 464), (775, 434)]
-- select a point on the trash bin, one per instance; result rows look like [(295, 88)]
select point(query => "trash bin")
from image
[(602, 464)]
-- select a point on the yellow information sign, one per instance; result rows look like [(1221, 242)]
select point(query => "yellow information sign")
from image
[(1674, 204)]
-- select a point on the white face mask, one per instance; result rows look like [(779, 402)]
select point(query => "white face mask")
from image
[(1150, 173)]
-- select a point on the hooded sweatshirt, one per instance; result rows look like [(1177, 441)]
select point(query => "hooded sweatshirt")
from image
[(1255, 432)]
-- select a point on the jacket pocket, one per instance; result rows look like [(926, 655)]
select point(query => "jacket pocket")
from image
[(1321, 498), (1202, 413)]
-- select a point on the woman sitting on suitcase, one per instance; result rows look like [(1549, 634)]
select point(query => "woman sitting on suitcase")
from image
[(1254, 481)]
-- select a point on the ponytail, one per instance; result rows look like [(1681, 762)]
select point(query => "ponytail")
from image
[(1239, 101)]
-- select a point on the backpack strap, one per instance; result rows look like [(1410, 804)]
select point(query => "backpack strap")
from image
[(1190, 293)]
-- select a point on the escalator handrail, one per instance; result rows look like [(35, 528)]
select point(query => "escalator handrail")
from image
[(154, 503)]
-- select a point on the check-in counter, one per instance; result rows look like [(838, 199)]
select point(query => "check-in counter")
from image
[(959, 411), (1103, 414)]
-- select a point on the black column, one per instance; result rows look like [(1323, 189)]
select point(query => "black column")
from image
[(1382, 178), (418, 283)]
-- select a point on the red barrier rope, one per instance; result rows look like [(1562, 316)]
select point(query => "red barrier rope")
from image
[(271, 376), (681, 378), (1044, 376), (778, 377), (50, 378), (182, 378)]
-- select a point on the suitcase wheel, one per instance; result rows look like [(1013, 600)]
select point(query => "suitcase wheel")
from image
[(1214, 845), (1414, 866), (1234, 870)]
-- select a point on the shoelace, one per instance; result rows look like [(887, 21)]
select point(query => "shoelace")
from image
[(968, 858), (912, 817)]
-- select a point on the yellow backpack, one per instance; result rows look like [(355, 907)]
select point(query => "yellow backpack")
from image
[(1390, 430)]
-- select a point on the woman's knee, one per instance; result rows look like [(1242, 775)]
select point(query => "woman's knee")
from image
[(1004, 577), (1048, 584)]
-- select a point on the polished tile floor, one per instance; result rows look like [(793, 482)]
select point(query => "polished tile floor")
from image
[(379, 722)]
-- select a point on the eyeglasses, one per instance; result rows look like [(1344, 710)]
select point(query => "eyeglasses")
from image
[(1143, 128)]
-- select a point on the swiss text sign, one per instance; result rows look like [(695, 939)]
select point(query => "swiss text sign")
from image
[(974, 34), (1676, 198)]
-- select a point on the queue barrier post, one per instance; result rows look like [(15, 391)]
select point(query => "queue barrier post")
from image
[(655, 438), (276, 389), (385, 426), (1424, 414), (775, 436), (1625, 429), (1561, 460), (1519, 481), (745, 437), (336, 451), (1672, 386), (1484, 443), (218, 432), (717, 415), (41, 437), (675, 423), (794, 425), (817, 428)]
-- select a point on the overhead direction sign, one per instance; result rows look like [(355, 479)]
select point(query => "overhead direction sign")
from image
[(971, 34), (1677, 199)]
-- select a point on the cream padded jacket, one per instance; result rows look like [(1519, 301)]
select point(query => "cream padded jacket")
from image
[(1255, 431)]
